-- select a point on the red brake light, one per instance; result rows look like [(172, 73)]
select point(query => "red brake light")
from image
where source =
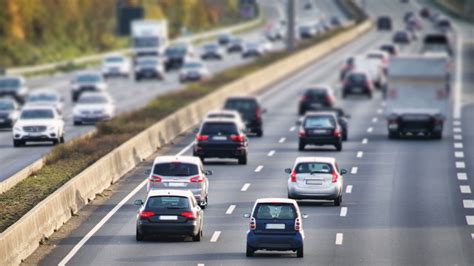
[(155, 179), (297, 224), (237, 138), (202, 137), (252, 224), (302, 133), (335, 176), (189, 215), (196, 179), (337, 132), (146, 214), (258, 113), (293, 176), (304, 98), (328, 99)]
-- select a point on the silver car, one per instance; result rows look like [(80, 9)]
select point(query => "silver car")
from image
[(316, 178), (181, 173)]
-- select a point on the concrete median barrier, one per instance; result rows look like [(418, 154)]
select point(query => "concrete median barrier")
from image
[(22, 238)]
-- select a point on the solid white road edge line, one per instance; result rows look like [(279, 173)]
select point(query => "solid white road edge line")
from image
[(245, 187), (339, 238), (215, 236), (230, 210), (343, 212)]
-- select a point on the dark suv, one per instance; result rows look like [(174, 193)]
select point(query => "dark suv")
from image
[(357, 83), (221, 138), (12, 86), (321, 128), (316, 98), (384, 23), (251, 111), (175, 56), (342, 119)]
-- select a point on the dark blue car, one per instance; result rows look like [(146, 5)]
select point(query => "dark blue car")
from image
[(275, 224)]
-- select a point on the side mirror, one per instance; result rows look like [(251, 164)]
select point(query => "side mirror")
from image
[(305, 216), (208, 172), (343, 171), (147, 171), (246, 215), (202, 204), (288, 170), (138, 202)]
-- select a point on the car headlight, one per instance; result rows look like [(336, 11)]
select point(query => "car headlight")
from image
[(17, 128), (52, 128), (76, 112)]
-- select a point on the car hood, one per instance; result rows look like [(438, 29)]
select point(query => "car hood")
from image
[(91, 107), (36, 122)]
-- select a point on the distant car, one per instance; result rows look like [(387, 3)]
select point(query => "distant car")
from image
[(177, 54), (308, 5), (93, 107), (357, 82), (87, 81), (253, 49), (384, 23), (221, 138), (408, 15), (275, 224), (194, 70), (274, 32), (236, 45), (382, 56), (425, 12), (316, 97), (116, 65), (444, 24), (342, 119), (45, 97), (169, 213), (401, 37), (320, 128), (9, 111), (251, 111), (373, 66), (316, 178), (389, 48), (13, 86), (181, 173), (307, 31), (38, 124), (212, 51), (149, 67), (224, 38), (335, 21), (231, 114), (347, 66)]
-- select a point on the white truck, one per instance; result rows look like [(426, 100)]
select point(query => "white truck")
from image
[(149, 37), (417, 97)]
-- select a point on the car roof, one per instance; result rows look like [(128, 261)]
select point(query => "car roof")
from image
[(44, 91), (219, 119), (320, 113), (243, 98), (169, 192), (182, 159), (88, 72), (222, 111), (275, 200), (307, 159), (36, 107)]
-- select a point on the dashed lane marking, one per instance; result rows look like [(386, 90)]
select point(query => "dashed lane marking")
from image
[(457, 130), (245, 187), (343, 212), (258, 169), (370, 129), (292, 128), (349, 189), (375, 119), (365, 141), (230, 210), (460, 165), (458, 145), (339, 238), (215, 236), (354, 170), (282, 140), (271, 153), (468, 204), (462, 176), (458, 137), (459, 154), (470, 220), (465, 189)]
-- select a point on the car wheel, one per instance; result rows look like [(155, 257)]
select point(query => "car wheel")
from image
[(203, 206), (61, 139), (301, 111), (301, 146), (344, 136), (299, 252), (438, 135), (55, 142), (250, 251), (259, 132), (18, 143), (77, 123), (344, 95), (339, 146), (337, 201), (243, 160), (139, 236), (198, 237), (137, 79), (393, 135)]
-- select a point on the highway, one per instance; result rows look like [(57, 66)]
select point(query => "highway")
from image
[(128, 94), (406, 202)]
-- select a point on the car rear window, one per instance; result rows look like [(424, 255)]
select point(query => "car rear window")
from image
[(241, 105), (225, 129), (356, 78), (316, 93), (275, 211), (313, 167), (175, 169), (167, 202), (221, 115), (318, 122)]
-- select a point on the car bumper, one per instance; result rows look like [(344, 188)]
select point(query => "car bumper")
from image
[(172, 229), (6, 123), (206, 152), (320, 140), (91, 119), (149, 74), (274, 242), (36, 137), (331, 192)]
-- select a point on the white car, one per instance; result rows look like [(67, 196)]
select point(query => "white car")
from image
[(193, 70), (45, 97), (227, 114), (116, 65), (382, 56), (373, 67), (93, 107), (149, 67), (38, 124), (87, 81)]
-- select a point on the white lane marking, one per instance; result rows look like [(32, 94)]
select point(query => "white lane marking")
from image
[(292, 128), (379, 111), (458, 137), (349, 189), (465, 189), (470, 220), (456, 123), (258, 169), (458, 80), (282, 140), (201, 264), (215, 236), (472, 236), (354, 170), (460, 165), (459, 154), (360, 154), (339, 238), (109, 215), (343, 212), (468, 204), (374, 120), (458, 145), (365, 141), (457, 130), (271, 153), (230, 210), (462, 176), (245, 187), (370, 129)]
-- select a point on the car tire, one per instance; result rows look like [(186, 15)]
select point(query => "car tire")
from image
[(301, 146), (198, 237), (205, 205), (337, 201), (137, 78), (301, 111), (18, 143), (393, 135), (77, 123), (299, 252), (259, 132), (344, 95), (437, 135), (139, 236), (250, 252), (243, 160), (61, 139), (339, 146), (344, 136), (55, 142)]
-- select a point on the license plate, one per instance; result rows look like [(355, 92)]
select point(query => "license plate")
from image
[(319, 131), (176, 184), (316, 105), (314, 182), (168, 217), (275, 226), (219, 138), (34, 134), (357, 90)]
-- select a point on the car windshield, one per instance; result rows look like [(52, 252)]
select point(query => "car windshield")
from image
[(166, 202), (319, 122), (192, 65), (116, 59), (241, 105), (9, 83), (210, 47), (221, 115), (43, 97), (6, 105), (37, 114), (313, 167), (148, 62), (92, 99), (356, 78), (176, 51), (88, 78), (313, 93), (225, 129), (275, 211), (175, 169)]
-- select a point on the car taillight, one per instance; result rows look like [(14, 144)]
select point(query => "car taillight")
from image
[(237, 138), (258, 113), (146, 214), (337, 132), (155, 179), (368, 83), (202, 137), (297, 224), (304, 98), (293, 176), (196, 179), (189, 215), (302, 133), (335, 176), (328, 99), (252, 224)]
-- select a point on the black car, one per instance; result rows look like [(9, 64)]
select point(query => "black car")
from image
[(384, 23), (149, 67), (401, 37), (224, 39), (342, 118), (251, 111), (389, 48), (221, 138), (357, 83), (13, 86), (169, 213), (316, 98), (175, 56), (425, 12), (321, 128), (307, 31), (236, 45), (346, 67), (9, 111), (408, 15)]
